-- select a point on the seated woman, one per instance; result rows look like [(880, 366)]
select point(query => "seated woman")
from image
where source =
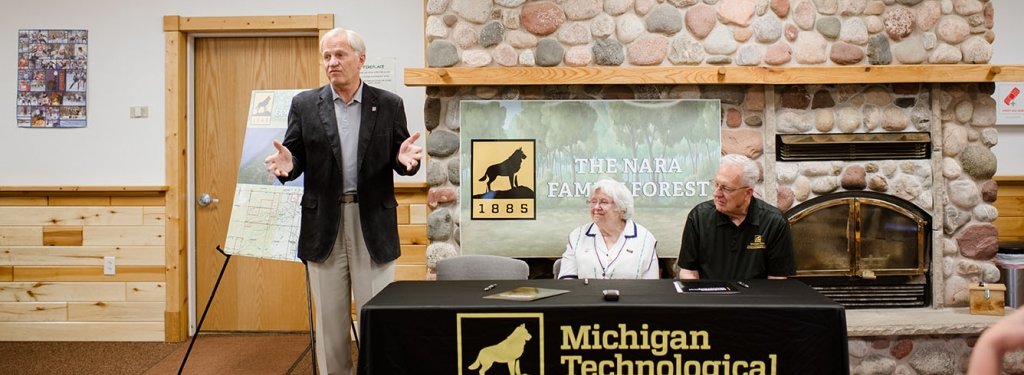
[(613, 246)]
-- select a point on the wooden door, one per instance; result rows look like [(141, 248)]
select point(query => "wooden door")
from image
[(255, 294)]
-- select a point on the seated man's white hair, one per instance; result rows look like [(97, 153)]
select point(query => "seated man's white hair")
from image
[(751, 172)]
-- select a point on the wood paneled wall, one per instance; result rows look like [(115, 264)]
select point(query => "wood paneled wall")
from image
[(52, 247), (53, 242), (1010, 203), (412, 231)]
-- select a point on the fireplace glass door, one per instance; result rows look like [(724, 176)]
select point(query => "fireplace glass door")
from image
[(822, 241), (858, 236)]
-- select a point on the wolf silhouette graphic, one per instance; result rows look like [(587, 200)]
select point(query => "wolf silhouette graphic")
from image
[(507, 351), (262, 107), (508, 168)]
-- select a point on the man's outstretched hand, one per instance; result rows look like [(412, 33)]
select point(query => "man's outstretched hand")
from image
[(280, 163), (409, 154)]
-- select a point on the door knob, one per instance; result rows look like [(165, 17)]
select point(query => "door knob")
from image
[(205, 200)]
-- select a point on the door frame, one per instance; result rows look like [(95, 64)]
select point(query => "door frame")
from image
[(178, 127)]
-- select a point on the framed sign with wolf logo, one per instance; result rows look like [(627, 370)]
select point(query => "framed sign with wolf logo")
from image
[(503, 179), (527, 166)]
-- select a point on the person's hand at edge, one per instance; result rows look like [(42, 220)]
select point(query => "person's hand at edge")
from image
[(280, 163), (1006, 335), (410, 154)]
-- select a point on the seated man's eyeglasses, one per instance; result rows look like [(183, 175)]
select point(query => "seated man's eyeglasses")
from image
[(727, 189)]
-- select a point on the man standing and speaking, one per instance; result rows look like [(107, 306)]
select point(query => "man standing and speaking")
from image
[(346, 137), (736, 236)]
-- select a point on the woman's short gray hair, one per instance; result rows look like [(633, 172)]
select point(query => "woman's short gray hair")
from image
[(354, 39), (751, 172), (620, 194)]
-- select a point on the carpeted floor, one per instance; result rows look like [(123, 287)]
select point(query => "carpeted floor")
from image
[(213, 353)]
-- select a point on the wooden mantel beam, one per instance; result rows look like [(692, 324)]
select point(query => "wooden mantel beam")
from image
[(712, 75)]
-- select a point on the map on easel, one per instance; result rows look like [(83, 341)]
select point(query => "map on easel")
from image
[(265, 214)]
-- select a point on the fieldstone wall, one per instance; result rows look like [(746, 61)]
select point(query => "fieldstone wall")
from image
[(477, 33), (912, 355), (955, 185)]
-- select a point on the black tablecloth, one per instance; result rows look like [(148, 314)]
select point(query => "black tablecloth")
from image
[(446, 327)]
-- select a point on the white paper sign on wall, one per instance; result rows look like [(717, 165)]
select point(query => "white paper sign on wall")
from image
[(1009, 98)]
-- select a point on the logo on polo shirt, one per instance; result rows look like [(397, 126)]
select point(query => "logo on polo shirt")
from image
[(507, 340), (757, 244), (503, 179)]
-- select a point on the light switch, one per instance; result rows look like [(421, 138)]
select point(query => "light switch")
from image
[(138, 112), (109, 268)]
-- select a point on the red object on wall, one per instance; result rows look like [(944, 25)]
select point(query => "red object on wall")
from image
[(1009, 97)]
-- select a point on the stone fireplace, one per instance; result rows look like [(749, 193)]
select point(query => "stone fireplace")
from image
[(950, 187), (947, 185)]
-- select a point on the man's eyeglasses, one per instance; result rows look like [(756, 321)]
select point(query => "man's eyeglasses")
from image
[(727, 189), (602, 203)]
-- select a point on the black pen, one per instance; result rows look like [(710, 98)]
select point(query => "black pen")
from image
[(489, 287), (743, 284)]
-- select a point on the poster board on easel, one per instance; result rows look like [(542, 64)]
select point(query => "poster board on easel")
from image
[(265, 214)]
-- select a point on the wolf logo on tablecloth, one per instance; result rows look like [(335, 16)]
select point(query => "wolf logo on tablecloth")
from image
[(507, 351)]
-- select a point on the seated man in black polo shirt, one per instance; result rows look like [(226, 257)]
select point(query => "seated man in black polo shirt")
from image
[(736, 236)]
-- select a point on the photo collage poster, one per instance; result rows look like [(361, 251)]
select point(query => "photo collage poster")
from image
[(52, 78)]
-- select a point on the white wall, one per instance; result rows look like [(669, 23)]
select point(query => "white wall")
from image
[(126, 68), (1007, 50)]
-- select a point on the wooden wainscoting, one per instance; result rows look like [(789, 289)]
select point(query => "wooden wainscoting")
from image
[(1010, 203), (412, 231), (53, 242)]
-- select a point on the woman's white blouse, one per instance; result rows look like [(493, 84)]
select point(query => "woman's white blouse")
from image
[(632, 257)]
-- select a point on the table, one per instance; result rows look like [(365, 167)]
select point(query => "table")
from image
[(446, 327)]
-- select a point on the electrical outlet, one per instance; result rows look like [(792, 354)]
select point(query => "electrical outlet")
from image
[(109, 267)]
